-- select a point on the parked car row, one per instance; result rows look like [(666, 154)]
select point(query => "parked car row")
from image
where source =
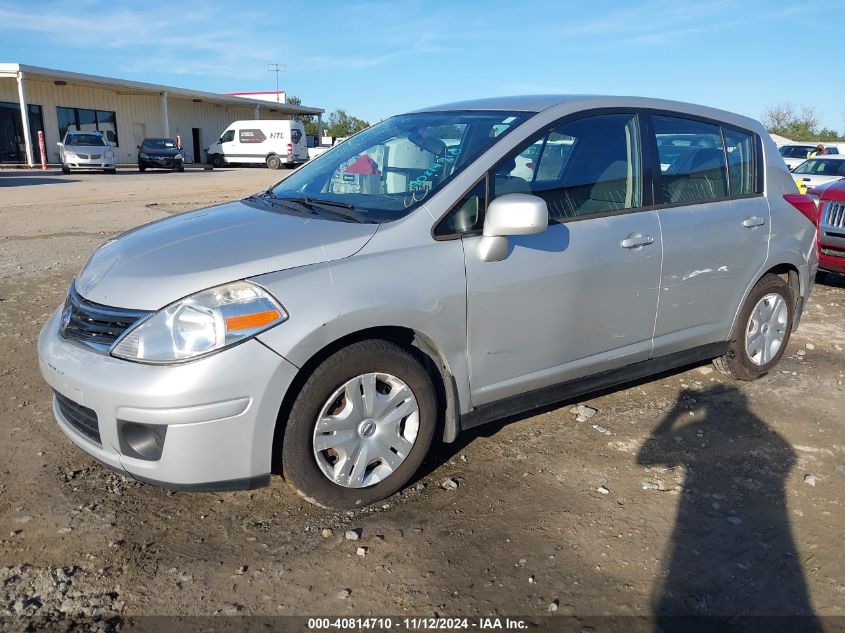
[(276, 144)]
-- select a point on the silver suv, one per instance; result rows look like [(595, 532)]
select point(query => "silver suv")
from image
[(436, 271)]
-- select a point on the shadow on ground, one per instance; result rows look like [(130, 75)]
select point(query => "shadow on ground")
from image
[(732, 552)]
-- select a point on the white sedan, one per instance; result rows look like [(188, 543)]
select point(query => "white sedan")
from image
[(820, 170), (86, 150)]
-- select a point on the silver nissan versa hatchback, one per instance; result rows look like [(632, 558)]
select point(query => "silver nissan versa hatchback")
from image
[(439, 270)]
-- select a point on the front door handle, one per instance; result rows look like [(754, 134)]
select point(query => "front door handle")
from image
[(635, 240), (753, 221)]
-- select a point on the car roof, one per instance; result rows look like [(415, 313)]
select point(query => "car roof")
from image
[(538, 103)]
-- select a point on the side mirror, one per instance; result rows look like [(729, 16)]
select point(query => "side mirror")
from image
[(511, 214), (59, 144)]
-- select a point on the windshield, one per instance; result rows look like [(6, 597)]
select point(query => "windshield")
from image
[(159, 143), (822, 167), (85, 140), (795, 151), (389, 169)]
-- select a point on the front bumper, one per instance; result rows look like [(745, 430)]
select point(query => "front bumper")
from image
[(88, 163), (220, 410), (162, 163), (832, 258)]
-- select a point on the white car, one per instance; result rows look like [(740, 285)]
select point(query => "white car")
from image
[(820, 170), (794, 155), (86, 150)]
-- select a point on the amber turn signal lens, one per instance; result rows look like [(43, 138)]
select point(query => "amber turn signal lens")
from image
[(250, 321)]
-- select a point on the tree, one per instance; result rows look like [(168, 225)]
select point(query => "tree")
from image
[(803, 125), (308, 120), (341, 124)]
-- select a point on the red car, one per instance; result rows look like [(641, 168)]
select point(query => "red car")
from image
[(830, 221)]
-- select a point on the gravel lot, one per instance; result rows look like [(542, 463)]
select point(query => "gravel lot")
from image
[(689, 493)]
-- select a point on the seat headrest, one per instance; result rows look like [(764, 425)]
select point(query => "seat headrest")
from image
[(707, 158)]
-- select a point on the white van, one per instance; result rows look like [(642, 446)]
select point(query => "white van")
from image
[(275, 143)]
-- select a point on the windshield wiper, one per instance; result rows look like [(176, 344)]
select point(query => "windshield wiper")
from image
[(310, 203)]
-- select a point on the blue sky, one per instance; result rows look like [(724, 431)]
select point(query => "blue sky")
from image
[(377, 58)]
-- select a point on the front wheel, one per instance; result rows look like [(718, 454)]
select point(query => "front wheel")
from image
[(360, 426), (274, 162), (216, 160), (65, 170), (761, 332)]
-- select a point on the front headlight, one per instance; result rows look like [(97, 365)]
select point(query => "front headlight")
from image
[(109, 154), (143, 155), (177, 157), (69, 154), (203, 323)]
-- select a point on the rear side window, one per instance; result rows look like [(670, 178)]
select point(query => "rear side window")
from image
[(692, 160), (740, 149), (583, 167)]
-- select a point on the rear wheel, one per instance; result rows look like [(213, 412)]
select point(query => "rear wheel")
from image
[(761, 332), (360, 426), (274, 162)]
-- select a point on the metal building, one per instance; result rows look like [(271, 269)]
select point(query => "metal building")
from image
[(53, 101)]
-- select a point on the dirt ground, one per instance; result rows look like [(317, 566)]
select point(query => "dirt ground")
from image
[(686, 494)]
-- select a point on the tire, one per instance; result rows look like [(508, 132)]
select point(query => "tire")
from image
[(180, 168), (141, 168), (216, 160), (113, 170), (300, 464), (738, 362), (65, 170), (274, 162)]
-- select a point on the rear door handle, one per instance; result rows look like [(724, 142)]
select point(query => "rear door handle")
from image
[(635, 240), (753, 221)]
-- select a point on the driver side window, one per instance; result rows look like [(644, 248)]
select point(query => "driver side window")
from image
[(583, 167)]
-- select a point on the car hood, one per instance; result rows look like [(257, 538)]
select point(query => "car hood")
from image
[(153, 265), (160, 152), (88, 149), (814, 180)]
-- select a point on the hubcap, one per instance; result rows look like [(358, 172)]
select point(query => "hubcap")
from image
[(366, 430), (766, 329)]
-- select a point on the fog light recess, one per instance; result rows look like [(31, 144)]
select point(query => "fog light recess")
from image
[(141, 441)]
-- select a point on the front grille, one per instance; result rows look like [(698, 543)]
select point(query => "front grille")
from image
[(95, 325), (834, 215), (81, 418), (85, 156), (95, 156)]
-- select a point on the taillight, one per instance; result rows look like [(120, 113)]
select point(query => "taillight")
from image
[(290, 148), (805, 204)]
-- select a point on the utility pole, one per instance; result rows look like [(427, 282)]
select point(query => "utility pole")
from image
[(277, 68)]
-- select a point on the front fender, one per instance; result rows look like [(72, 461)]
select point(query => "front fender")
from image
[(420, 288)]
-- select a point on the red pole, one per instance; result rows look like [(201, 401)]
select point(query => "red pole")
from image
[(42, 149)]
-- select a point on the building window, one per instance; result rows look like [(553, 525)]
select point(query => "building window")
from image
[(12, 143), (85, 120)]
